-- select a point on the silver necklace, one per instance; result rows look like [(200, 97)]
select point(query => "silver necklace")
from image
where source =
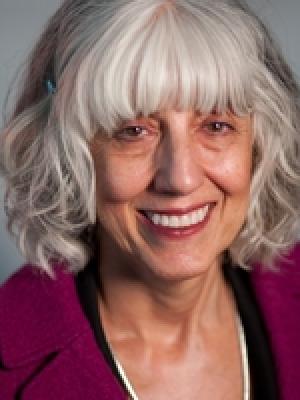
[(244, 358), (245, 361)]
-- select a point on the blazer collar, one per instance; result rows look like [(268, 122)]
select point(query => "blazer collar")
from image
[(38, 315)]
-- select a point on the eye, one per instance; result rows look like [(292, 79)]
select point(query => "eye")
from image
[(130, 133), (218, 127)]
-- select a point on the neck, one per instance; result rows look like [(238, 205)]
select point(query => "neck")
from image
[(158, 310)]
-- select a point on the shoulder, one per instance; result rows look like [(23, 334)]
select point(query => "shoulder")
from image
[(278, 294), (37, 314), (283, 281), (47, 348)]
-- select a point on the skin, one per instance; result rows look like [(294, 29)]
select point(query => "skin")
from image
[(165, 307)]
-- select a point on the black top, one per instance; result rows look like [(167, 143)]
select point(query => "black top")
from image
[(264, 383)]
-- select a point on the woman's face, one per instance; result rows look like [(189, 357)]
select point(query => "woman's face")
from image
[(172, 190)]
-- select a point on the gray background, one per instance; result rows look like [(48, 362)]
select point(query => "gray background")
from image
[(21, 22)]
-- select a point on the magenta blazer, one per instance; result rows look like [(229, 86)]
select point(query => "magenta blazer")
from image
[(48, 351)]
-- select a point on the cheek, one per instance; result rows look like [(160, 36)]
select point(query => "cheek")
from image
[(232, 172), (233, 178), (118, 183), (121, 180), (236, 175)]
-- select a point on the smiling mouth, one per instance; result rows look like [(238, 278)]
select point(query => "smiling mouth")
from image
[(177, 221)]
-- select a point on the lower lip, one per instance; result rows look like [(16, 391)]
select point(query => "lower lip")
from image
[(176, 233)]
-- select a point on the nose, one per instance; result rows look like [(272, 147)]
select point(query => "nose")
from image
[(178, 167)]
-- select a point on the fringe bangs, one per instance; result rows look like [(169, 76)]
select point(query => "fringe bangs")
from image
[(181, 61)]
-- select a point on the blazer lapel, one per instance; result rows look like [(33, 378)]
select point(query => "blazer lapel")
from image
[(75, 373)]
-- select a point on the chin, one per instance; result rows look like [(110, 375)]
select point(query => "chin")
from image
[(178, 270)]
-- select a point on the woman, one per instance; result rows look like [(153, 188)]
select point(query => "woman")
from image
[(151, 159)]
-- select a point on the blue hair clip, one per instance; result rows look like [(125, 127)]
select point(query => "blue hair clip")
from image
[(50, 86)]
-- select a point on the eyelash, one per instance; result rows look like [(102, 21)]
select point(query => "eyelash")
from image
[(223, 124), (123, 134)]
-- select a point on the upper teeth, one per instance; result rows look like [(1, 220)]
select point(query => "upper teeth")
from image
[(178, 221)]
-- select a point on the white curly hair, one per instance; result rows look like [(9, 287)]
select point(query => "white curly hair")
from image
[(112, 60)]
